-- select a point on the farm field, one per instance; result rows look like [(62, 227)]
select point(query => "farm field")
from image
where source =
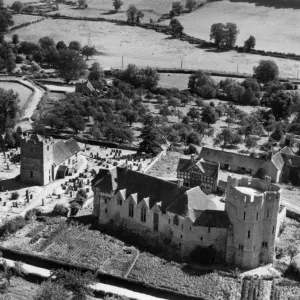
[(145, 47), (275, 29), (20, 19), (24, 92)]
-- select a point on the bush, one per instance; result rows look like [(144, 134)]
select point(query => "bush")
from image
[(12, 226), (60, 210), (20, 59), (15, 196), (30, 214)]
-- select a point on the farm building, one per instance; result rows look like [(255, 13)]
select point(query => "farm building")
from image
[(235, 162), (198, 173), (244, 233), (43, 160), (91, 87)]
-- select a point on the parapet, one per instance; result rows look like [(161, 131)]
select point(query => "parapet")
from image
[(35, 139)]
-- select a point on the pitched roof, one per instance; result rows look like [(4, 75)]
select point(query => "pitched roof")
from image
[(213, 218), (278, 161), (208, 168), (287, 150), (62, 150), (231, 158), (36, 137), (191, 203), (145, 186)]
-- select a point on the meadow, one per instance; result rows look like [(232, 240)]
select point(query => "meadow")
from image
[(145, 47), (275, 29)]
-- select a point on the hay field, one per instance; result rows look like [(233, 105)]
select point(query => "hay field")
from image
[(145, 47), (274, 29)]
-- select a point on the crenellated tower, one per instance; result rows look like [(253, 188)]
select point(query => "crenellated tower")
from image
[(253, 208)]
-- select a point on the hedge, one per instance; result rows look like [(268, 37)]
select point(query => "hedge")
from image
[(25, 24)]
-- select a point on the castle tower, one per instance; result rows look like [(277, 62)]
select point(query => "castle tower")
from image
[(37, 160), (252, 206)]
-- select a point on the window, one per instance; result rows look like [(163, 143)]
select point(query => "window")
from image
[(256, 216), (176, 220), (143, 214), (48, 148), (190, 228), (179, 244), (201, 239), (273, 230), (131, 209), (244, 215), (268, 213), (106, 210), (105, 200), (119, 201), (181, 236), (181, 226), (249, 234), (265, 244), (208, 229), (31, 174)]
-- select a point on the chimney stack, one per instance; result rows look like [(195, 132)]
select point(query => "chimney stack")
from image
[(180, 183), (193, 158)]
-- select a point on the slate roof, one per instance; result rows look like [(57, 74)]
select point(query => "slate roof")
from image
[(157, 190), (191, 203), (208, 168), (231, 158), (213, 218), (62, 150)]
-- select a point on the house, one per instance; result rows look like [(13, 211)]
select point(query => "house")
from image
[(44, 160), (158, 209), (199, 173), (235, 162), (85, 88)]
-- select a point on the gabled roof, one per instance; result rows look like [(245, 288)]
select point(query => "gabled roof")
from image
[(208, 168), (287, 150), (278, 161), (190, 203), (35, 137), (231, 158), (213, 218), (62, 150)]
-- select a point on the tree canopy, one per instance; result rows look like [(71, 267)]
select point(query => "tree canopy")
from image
[(224, 35), (117, 4), (266, 71), (176, 26), (202, 85)]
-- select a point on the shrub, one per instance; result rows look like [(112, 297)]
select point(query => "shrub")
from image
[(12, 226), (15, 195), (60, 210), (30, 214)]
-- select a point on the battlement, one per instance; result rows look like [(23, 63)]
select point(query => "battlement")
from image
[(36, 139)]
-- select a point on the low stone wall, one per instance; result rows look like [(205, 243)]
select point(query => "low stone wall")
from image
[(156, 159)]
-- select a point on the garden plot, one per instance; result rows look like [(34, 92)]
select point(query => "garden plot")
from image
[(145, 47)]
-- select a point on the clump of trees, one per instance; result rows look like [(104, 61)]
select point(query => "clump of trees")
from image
[(250, 43), (266, 71), (17, 6), (177, 9), (176, 27), (117, 4), (134, 15), (224, 35)]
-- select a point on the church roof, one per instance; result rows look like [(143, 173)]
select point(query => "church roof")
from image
[(62, 150)]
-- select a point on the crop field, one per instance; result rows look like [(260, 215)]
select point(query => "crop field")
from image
[(274, 29), (24, 92), (145, 47)]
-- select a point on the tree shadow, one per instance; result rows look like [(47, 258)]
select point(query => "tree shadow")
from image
[(270, 3), (14, 184)]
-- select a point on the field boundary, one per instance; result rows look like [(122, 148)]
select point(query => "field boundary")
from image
[(25, 24)]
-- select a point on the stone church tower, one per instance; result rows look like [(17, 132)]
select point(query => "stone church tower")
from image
[(253, 207), (37, 160)]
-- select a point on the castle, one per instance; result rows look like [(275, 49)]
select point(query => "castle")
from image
[(43, 160), (243, 234)]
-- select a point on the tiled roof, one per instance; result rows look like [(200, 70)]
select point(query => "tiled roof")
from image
[(145, 186), (191, 202), (231, 158), (208, 168), (62, 150), (213, 218)]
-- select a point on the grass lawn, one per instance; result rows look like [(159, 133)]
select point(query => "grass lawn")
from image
[(275, 29), (144, 47)]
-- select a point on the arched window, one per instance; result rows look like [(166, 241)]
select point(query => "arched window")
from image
[(249, 234), (176, 220), (131, 209), (143, 214), (256, 216), (244, 215)]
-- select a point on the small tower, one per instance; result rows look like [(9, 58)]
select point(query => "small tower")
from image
[(37, 160), (253, 207)]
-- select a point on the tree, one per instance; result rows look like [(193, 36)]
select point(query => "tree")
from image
[(15, 39), (177, 8), (190, 5), (5, 20), (17, 6), (226, 137), (61, 46), (250, 43), (231, 34), (139, 15), (270, 124), (202, 85), (193, 138), (200, 127), (117, 4), (176, 26), (47, 44), (131, 13), (250, 142), (1, 4), (281, 104), (266, 71), (51, 291), (218, 34), (174, 102), (150, 140), (12, 271), (82, 4), (10, 62), (278, 133), (252, 82), (209, 115), (130, 115), (77, 123), (88, 51), (71, 65), (96, 72), (9, 139), (75, 45), (193, 113), (249, 96)]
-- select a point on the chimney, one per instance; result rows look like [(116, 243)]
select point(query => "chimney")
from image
[(268, 179), (270, 154), (288, 142), (180, 183), (193, 158)]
